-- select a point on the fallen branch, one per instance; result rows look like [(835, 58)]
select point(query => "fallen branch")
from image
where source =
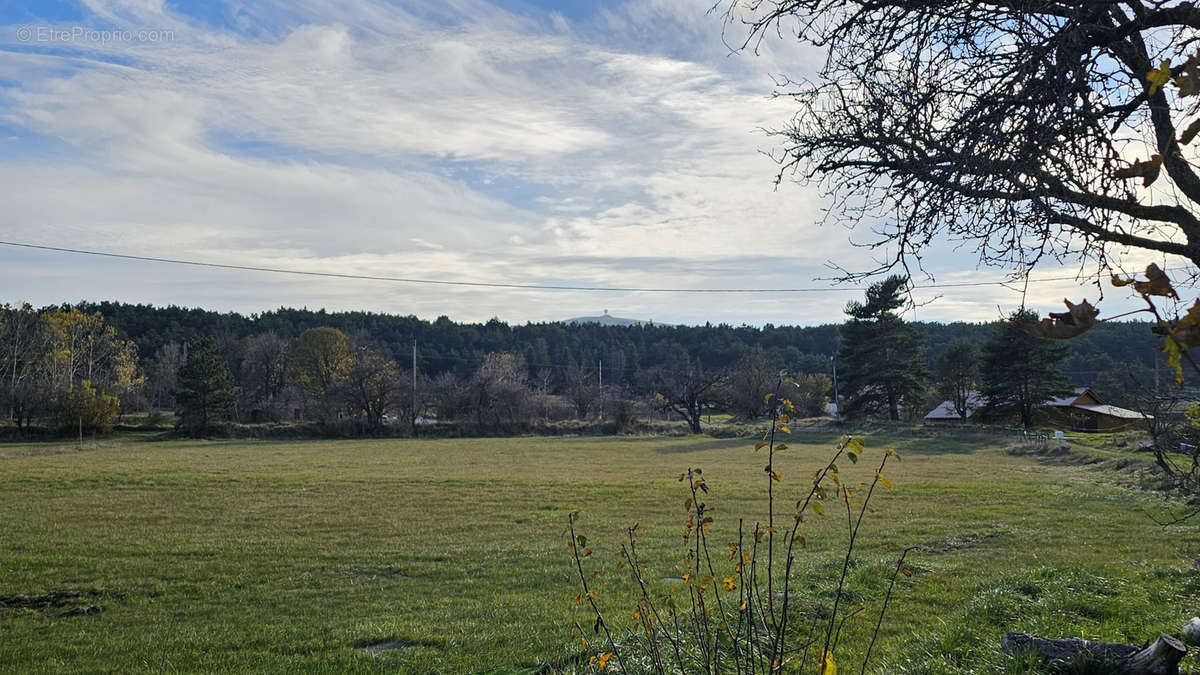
[(1160, 658)]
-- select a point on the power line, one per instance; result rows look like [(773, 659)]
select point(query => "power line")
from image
[(483, 284)]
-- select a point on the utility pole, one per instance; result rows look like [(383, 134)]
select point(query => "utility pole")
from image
[(414, 389), (601, 362), (837, 403)]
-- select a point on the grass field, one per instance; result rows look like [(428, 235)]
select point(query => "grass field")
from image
[(289, 556)]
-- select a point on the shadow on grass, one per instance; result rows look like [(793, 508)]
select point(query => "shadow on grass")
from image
[(704, 444)]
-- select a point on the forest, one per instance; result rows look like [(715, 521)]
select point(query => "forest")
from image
[(79, 366)]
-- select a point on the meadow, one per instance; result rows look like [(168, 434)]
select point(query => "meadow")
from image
[(132, 555)]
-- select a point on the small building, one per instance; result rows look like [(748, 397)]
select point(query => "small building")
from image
[(946, 414), (1081, 410)]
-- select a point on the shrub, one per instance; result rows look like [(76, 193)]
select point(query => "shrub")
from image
[(734, 610), (87, 409)]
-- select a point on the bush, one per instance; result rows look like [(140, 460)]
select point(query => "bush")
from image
[(736, 610), (86, 407)]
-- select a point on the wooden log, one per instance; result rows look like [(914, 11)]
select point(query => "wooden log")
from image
[(1160, 658)]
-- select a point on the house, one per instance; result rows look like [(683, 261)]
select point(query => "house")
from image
[(1081, 410), (946, 414)]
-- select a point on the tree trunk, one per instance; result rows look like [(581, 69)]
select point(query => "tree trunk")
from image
[(1160, 658)]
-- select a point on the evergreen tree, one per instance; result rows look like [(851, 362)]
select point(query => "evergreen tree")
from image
[(1019, 371), (881, 358), (956, 368), (205, 394)]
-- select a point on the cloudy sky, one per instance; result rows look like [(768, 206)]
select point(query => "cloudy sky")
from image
[(527, 142)]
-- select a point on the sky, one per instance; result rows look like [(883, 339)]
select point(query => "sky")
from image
[(518, 142)]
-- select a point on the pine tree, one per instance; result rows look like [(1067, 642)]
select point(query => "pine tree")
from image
[(1019, 371), (205, 395), (880, 360)]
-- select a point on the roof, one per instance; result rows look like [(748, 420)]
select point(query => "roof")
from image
[(946, 411), (1069, 399), (1114, 411)]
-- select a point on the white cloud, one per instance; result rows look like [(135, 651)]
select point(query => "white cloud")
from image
[(448, 141)]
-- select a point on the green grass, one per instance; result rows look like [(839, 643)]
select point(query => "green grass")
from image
[(284, 556)]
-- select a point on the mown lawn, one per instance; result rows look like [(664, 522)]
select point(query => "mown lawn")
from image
[(285, 556)]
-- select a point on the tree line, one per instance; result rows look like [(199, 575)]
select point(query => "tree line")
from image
[(80, 365)]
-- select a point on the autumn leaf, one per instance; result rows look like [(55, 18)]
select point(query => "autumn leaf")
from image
[(780, 447), (1157, 283), (1190, 132), (1174, 355), (1147, 170), (1159, 76), (828, 667), (1077, 320), (1186, 84), (885, 483), (776, 475), (759, 446), (819, 508)]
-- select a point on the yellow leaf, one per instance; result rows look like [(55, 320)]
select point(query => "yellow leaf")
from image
[(781, 446), (828, 667), (687, 504), (784, 429), (776, 475), (759, 446), (906, 572), (1159, 76), (1174, 355), (885, 482), (819, 508), (742, 607)]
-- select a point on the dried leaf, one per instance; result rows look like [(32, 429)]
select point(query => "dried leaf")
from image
[(1078, 319), (1186, 84), (1146, 170), (1190, 132), (1157, 283)]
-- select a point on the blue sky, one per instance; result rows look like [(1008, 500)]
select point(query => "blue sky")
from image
[(613, 144)]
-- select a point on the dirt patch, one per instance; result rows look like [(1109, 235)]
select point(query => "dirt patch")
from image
[(959, 542), (63, 603), (379, 647)]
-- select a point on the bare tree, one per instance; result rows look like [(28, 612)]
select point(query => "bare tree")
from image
[(687, 389), (163, 374), (581, 388), (1025, 129), (21, 346), (750, 379), (373, 386), (263, 374)]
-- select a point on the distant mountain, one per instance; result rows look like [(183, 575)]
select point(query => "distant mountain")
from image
[(607, 319)]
